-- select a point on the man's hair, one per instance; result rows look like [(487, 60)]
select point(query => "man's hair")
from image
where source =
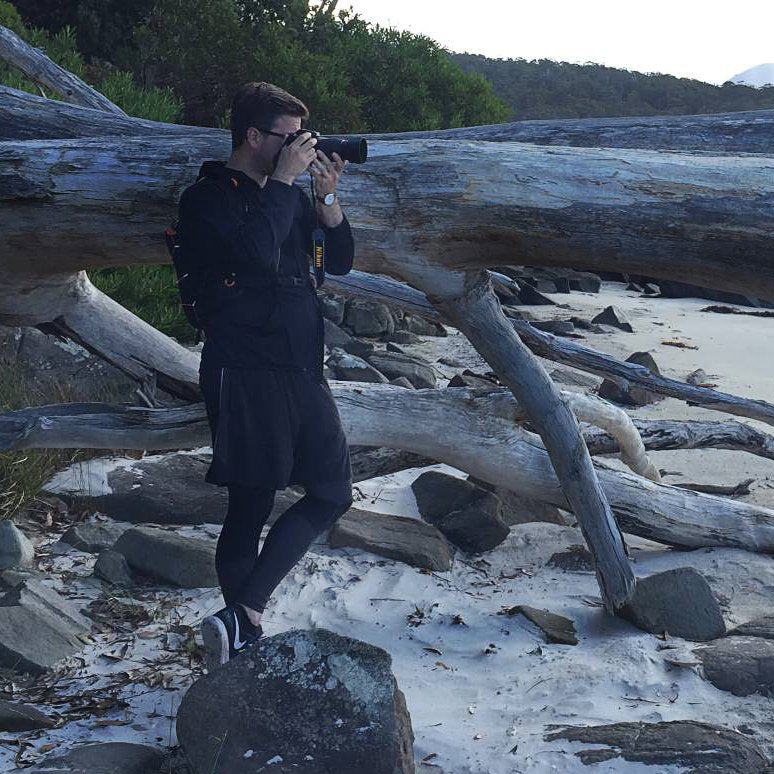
[(259, 104)]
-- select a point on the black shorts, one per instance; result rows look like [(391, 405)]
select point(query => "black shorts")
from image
[(273, 429)]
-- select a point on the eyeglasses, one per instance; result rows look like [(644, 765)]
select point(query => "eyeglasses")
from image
[(276, 134)]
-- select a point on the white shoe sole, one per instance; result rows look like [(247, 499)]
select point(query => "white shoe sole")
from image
[(215, 642)]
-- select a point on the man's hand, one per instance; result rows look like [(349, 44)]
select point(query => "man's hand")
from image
[(326, 173), (294, 159)]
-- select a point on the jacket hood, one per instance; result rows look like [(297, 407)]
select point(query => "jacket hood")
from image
[(217, 169)]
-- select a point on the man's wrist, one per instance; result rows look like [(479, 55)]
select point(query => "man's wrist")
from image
[(282, 179)]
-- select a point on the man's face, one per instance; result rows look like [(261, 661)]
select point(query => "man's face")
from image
[(267, 146)]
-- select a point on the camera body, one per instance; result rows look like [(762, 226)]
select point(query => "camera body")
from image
[(354, 149)]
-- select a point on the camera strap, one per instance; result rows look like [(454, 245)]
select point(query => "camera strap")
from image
[(318, 245)]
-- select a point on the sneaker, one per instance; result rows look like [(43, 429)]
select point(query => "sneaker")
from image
[(227, 633)]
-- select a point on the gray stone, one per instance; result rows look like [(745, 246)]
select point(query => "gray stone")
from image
[(632, 395), (474, 382), (438, 493), (759, 627), (102, 758), (333, 335), (397, 537), (38, 627), (516, 508), (574, 559), (182, 561), (532, 296), (16, 550), (22, 717), (93, 537), (612, 315), (699, 376), (699, 748), (358, 347), (392, 364), (556, 628), (352, 368), (311, 701), (333, 308), (402, 337), (649, 289), (111, 566), (167, 490), (392, 347), (557, 327), (739, 665), (401, 381), (677, 601), (368, 318), (473, 529), (423, 327)]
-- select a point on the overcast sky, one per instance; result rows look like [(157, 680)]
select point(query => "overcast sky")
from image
[(686, 38)]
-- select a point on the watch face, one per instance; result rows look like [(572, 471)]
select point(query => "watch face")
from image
[(329, 198)]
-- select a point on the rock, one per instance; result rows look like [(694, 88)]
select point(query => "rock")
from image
[(674, 289), (649, 289), (438, 493), (391, 347), (22, 717), (557, 327), (16, 550), (698, 748), (699, 376), (358, 347), (334, 336), (475, 382), (102, 758), (401, 381), (397, 537), (182, 561), (740, 665), (38, 627), (634, 287), (111, 566), (632, 395), (758, 627), (367, 318), (163, 489), (402, 337), (452, 362), (333, 308), (519, 509), (93, 537), (533, 297), (556, 628), (312, 701), (612, 315), (473, 529), (574, 559), (354, 369), (423, 327), (392, 364), (677, 601), (371, 461), (585, 281)]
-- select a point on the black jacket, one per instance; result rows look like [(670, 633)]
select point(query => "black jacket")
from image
[(239, 236)]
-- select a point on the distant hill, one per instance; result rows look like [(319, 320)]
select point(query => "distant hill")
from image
[(762, 75), (544, 88)]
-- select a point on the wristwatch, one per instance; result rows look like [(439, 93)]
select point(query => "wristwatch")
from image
[(328, 199)]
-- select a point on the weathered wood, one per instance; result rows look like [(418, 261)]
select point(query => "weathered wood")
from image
[(647, 212), (477, 313), (39, 68), (26, 116), (486, 443)]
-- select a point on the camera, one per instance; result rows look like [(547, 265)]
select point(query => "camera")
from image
[(354, 149)]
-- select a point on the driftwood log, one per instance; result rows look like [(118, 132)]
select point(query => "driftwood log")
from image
[(487, 442)]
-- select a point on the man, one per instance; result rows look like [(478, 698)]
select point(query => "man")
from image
[(274, 423)]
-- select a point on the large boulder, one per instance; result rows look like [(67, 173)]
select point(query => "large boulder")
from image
[(352, 368), (308, 702), (22, 717), (38, 627), (696, 748), (679, 602), (516, 508), (93, 537), (612, 315), (171, 558), (397, 537), (364, 317)]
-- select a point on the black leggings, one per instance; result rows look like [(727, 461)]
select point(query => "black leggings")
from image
[(249, 577)]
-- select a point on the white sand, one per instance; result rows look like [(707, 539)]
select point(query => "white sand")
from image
[(487, 713)]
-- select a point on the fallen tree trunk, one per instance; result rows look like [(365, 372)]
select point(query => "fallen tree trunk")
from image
[(486, 443), (26, 117)]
